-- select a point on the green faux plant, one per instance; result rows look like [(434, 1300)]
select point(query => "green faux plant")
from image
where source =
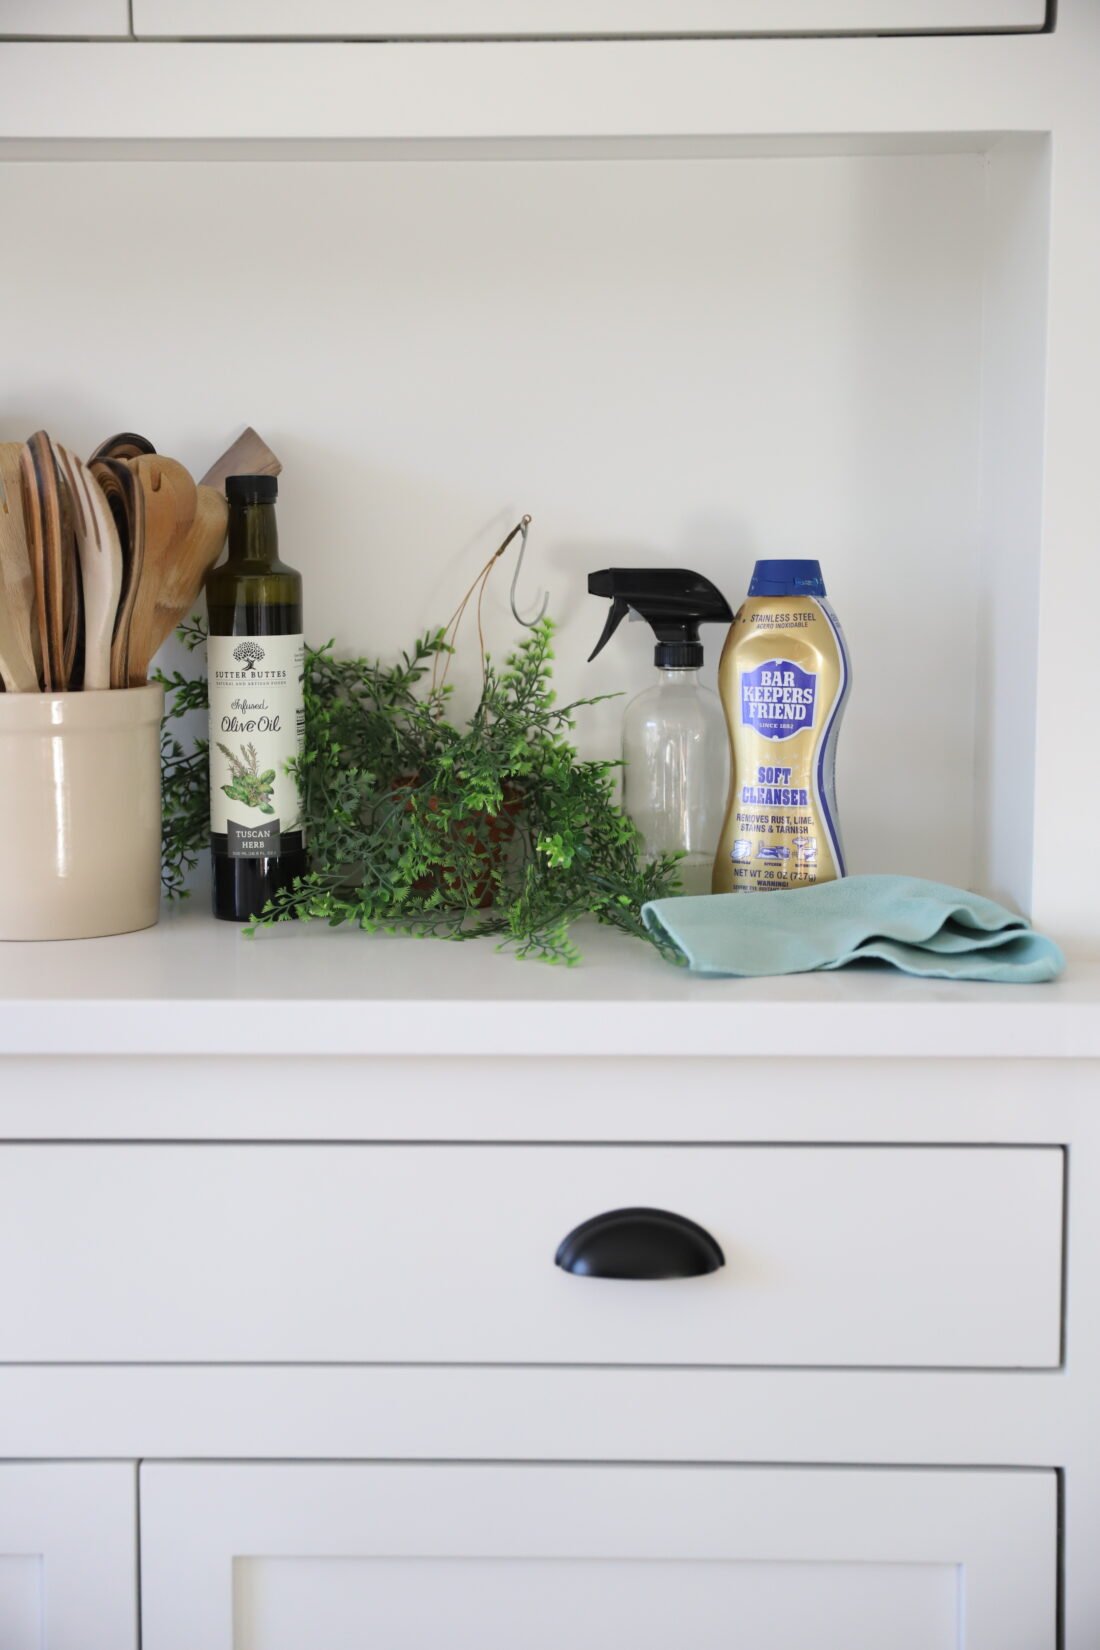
[(184, 773), (417, 826)]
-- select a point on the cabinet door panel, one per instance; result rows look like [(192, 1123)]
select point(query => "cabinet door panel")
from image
[(263, 1557), (533, 1604), (21, 1601), (68, 1556)]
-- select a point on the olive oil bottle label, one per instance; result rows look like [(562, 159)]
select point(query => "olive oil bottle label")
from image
[(257, 727)]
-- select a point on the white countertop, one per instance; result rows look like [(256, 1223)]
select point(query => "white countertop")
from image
[(196, 986)]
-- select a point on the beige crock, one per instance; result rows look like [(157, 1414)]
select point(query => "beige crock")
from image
[(79, 813)]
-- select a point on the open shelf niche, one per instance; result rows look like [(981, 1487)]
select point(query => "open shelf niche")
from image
[(680, 353)]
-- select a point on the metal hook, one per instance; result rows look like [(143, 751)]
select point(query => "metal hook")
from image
[(528, 624)]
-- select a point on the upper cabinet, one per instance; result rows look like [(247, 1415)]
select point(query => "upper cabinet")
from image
[(64, 19), (582, 19)]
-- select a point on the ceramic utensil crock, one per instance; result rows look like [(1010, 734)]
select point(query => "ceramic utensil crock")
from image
[(80, 813)]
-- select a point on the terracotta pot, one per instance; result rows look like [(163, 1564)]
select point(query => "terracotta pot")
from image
[(80, 821), (491, 848)]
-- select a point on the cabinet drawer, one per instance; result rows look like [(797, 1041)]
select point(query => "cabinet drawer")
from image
[(240, 1557), (318, 1253)]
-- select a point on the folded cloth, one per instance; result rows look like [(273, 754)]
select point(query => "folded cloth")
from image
[(920, 927)]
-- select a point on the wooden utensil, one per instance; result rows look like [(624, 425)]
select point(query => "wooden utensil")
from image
[(248, 456), (18, 624), (124, 445), (187, 570), (126, 502), (47, 510), (99, 555), (170, 502)]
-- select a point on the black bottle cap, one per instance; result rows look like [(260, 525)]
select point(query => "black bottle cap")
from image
[(251, 489), (678, 655)]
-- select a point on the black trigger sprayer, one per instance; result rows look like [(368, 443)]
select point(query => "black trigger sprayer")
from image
[(675, 744), (673, 601)]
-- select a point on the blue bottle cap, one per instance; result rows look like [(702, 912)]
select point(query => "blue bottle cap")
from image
[(787, 578)]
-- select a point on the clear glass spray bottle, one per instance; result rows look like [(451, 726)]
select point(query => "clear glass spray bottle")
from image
[(675, 744)]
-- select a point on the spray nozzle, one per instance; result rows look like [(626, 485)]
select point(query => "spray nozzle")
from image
[(673, 601)]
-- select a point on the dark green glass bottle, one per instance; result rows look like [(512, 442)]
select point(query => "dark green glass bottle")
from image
[(254, 667)]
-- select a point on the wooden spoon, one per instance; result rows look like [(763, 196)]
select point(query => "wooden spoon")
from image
[(124, 445), (126, 501), (170, 502), (100, 557), (18, 624), (187, 572), (47, 510), (249, 455)]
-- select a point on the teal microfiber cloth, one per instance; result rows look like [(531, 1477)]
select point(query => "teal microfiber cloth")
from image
[(920, 927)]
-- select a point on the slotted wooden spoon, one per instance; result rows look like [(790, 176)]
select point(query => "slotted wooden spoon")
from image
[(18, 625), (100, 558), (171, 500), (186, 573), (47, 510)]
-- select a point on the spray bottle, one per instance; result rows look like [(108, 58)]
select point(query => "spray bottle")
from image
[(675, 746), (784, 680)]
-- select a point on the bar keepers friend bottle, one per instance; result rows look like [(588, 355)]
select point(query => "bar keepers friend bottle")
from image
[(784, 679), (254, 666)]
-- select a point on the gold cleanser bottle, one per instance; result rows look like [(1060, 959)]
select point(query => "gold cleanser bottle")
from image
[(784, 678)]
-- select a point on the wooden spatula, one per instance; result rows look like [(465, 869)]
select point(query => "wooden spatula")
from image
[(18, 625), (249, 455), (170, 502), (99, 555), (121, 489), (47, 510), (187, 571)]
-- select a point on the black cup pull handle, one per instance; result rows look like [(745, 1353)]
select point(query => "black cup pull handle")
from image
[(639, 1243)]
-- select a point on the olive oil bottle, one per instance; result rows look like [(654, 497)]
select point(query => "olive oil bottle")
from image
[(257, 722)]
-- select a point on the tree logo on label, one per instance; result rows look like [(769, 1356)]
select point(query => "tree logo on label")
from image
[(248, 654)]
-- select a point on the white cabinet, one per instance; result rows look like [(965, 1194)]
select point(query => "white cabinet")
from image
[(265, 1557), (404, 19), (697, 299), (68, 1556)]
